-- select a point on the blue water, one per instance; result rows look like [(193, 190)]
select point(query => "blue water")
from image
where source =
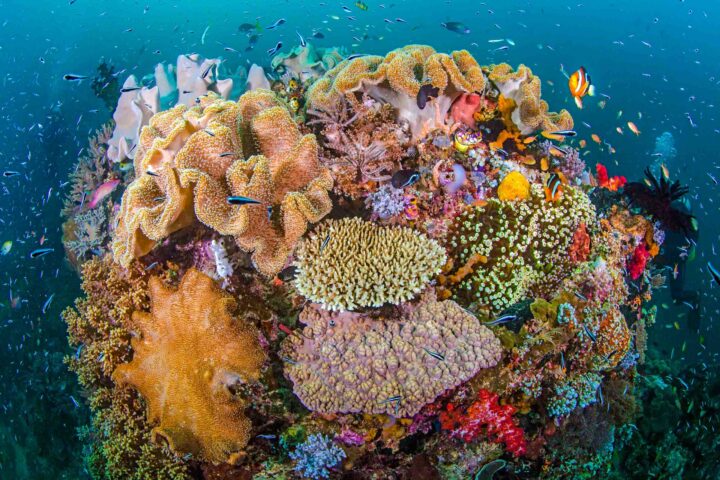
[(658, 61)]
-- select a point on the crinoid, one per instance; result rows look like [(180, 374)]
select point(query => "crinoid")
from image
[(656, 197)]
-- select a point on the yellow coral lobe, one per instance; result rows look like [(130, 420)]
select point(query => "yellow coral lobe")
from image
[(351, 263), (189, 360), (514, 187)]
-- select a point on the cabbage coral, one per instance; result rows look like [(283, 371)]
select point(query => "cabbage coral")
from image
[(525, 243), (350, 263), (351, 362), (190, 377)]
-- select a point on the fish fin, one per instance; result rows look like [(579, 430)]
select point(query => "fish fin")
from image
[(578, 102), (591, 90)]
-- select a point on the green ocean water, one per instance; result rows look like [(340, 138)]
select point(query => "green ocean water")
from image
[(657, 61)]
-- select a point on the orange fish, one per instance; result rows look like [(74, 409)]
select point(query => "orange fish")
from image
[(595, 138), (527, 160), (583, 143), (557, 151), (527, 140), (544, 164), (633, 128), (580, 85), (554, 187)]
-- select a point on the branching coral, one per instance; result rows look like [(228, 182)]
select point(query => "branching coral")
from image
[(525, 243), (195, 157), (192, 355), (98, 329), (89, 235), (316, 455), (531, 113), (397, 78), (350, 263), (90, 172), (354, 363)]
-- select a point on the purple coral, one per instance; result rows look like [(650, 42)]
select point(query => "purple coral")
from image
[(572, 166), (386, 202)]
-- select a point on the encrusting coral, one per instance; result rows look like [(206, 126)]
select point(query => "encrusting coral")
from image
[(396, 79), (192, 355), (349, 362), (350, 263), (195, 160), (525, 243)]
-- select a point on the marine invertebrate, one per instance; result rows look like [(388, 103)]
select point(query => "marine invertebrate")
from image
[(396, 79), (386, 202), (530, 112), (89, 235), (580, 246), (347, 264), (198, 156), (349, 362), (604, 181), (525, 243), (192, 397), (464, 107), (578, 391), (306, 62), (90, 172), (657, 198), (514, 187), (636, 264), (486, 417), (316, 455)]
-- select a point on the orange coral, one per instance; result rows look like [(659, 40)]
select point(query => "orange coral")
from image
[(196, 159), (613, 339), (191, 356), (514, 187)]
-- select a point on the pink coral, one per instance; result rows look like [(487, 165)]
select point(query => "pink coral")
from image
[(486, 417), (464, 107)]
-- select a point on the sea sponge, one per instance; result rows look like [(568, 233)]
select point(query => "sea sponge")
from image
[(514, 187), (349, 362), (613, 340), (396, 79), (531, 113), (350, 263), (191, 356), (525, 243), (196, 157)]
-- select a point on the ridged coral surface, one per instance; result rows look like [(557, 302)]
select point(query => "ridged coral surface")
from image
[(192, 352), (525, 243), (199, 157), (350, 263), (353, 363)]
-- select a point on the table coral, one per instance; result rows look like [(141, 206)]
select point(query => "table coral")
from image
[(350, 263), (531, 112), (196, 157), (191, 356), (396, 79), (525, 243), (349, 362)]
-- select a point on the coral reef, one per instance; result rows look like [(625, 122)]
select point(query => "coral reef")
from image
[(193, 397), (306, 62), (355, 363), (350, 263), (316, 455)]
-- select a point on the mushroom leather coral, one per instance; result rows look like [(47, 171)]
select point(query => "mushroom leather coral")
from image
[(200, 156), (191, 353)]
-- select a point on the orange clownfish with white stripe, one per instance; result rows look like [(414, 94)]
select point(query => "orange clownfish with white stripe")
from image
[(580, 85)]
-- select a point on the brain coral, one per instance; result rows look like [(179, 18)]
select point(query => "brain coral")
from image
[(191, 355), (349, 362), (525, 243), (531, 113), (351, 263), (200, 156), (397, 78)]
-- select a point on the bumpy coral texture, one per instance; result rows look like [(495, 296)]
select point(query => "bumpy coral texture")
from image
[(397, 78), (191, 354), (202, 155), (514, 187), (525, 242), (350, 362), (531, 113), (351, 263)]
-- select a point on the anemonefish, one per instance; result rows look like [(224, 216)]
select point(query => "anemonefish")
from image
[(580, 85), (553, 186)]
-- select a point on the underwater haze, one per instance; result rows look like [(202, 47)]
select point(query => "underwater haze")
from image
[(283, 240)]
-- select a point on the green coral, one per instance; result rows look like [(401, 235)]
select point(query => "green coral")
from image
[(525, 243)]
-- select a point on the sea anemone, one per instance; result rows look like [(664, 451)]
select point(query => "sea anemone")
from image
[(656, 197)]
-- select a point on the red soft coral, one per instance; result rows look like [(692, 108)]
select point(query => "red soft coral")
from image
[(638, 261), (604, 181), (580, 246), (464, 108), (486, 417)]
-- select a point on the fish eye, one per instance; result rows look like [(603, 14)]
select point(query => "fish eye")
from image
[(656, 19), (697, 50)]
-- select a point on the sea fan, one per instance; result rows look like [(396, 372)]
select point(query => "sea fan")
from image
[(656, 197)]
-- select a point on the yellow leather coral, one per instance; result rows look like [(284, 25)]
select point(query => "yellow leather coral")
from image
[(190, 160), (514, 187), (531, 112), (190, 357)]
